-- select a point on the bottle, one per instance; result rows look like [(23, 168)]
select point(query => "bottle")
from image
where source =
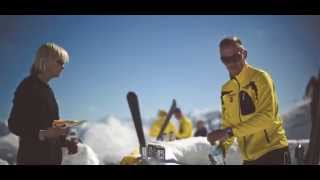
[(216, 154)]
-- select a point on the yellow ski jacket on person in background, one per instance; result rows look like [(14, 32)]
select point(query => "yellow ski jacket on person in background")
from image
[(250, 108), (185, 128), (132, 158), (157, 124)]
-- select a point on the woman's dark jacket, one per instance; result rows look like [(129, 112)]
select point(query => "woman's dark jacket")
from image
[(34, 109)]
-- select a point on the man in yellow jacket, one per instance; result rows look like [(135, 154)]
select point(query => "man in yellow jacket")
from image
[(249, 110), (185, 125), (169, 131)]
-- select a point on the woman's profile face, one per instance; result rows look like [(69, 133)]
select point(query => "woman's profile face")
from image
[(55, 67)]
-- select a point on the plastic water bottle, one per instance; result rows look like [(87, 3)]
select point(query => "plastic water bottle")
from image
[(216, 155)]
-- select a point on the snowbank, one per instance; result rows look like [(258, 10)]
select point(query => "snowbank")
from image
[(84, 156)]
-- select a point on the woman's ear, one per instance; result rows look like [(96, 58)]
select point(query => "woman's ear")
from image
[(245, 54)]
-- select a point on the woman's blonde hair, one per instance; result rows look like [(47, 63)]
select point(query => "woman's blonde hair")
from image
[(48, 52)]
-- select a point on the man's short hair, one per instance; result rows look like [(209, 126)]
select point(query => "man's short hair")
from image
[(162, 112), (200, 121), (177, 110), (232, 40)]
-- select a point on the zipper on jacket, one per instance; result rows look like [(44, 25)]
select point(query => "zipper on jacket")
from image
[(266, 135), (244, 137)]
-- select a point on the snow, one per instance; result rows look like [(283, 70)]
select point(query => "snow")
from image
[(111, 139), (9, 148), (193, 150), (297, 120), (3, 162), (84, 156)]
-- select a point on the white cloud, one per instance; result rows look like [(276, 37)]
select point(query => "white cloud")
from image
[(295, 106), (111, 139), (200, 112)]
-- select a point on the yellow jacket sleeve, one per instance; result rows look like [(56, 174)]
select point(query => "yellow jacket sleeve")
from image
[(132, 158), (156, 127), (171, 128), (185, 129), (265, 110), (154, 130), (228, 142)]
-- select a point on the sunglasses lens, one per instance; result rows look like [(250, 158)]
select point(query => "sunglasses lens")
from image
[(232, 59)]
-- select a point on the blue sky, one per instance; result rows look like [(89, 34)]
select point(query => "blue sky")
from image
[(159, 57)]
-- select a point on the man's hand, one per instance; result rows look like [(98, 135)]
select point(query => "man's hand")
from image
[(72, 146), (217, 135)]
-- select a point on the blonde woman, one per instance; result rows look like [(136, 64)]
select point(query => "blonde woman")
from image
[(35, 108)]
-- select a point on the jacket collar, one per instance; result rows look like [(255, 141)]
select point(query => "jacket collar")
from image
[(244, 74)]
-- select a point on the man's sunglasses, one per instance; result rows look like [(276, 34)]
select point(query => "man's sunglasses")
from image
[(232, 59)]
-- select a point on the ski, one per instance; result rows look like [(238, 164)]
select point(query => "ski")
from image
[(136, 117), (156, 152), (172, 108)]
